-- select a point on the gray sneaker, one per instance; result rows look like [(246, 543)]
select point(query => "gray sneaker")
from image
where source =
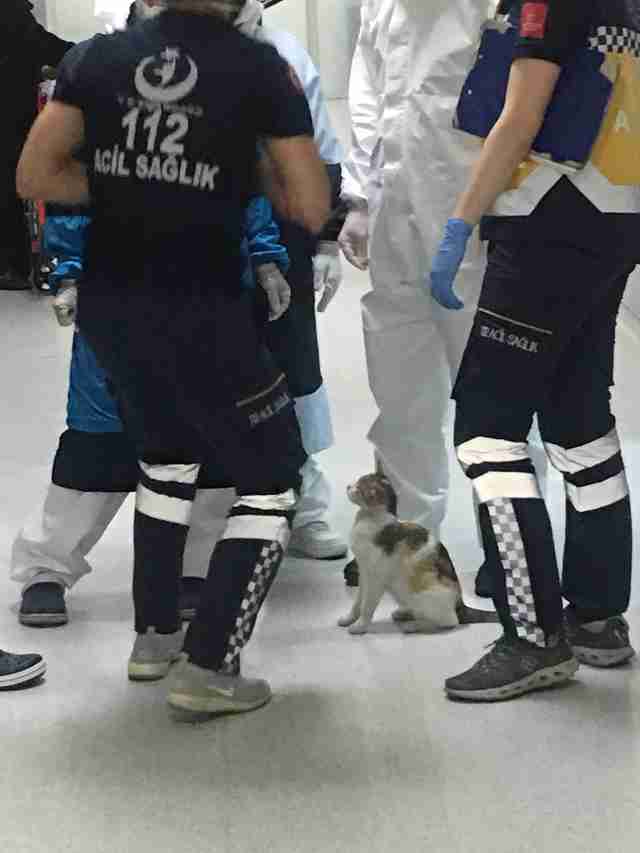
[(317, 541), (514, 667), (600, 644), (206, 691), (153, 655)]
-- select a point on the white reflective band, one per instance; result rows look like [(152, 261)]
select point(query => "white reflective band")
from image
[(163, 508), (506, 484), (270, 528), (172, 473), (284, 501), (478, 451), (574, 459), (598, 495)]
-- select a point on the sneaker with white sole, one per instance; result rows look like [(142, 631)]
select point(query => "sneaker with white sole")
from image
[(317, 541), (601, 644), (18, 670), (209, 692), (514, 667), (43, 605), (153, 655)]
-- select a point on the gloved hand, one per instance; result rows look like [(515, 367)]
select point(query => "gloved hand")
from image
[(327, 272), (354, 238), (277, 289), (447, 263), (65, 302)]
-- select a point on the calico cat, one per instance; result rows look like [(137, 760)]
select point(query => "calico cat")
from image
[(405, 560)]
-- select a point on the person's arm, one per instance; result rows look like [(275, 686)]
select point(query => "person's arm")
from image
[(551, 31), (531, 86), (294, 177), (47, 170), (263, 235), (365, 106), (298, 58), (297, 182), (329, 147)]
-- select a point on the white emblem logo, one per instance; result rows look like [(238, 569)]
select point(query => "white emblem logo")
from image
[(166, 68)]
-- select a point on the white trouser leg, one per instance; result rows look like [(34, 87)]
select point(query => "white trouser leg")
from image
[(410, 378), (53, 544), (314, 416), (208, 521), (315, 495)]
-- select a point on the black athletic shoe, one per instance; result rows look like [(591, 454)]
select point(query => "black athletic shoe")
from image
[(43, 606), (190, 593), (484, 584), (608, 645), (514, 667), (352, 574), (18, 670)]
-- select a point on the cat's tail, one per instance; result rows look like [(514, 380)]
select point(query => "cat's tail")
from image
[(473, 616)]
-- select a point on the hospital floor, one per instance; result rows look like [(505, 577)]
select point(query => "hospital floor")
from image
[(359, 749)]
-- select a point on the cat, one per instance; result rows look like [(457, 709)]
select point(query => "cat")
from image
[(405, 560)]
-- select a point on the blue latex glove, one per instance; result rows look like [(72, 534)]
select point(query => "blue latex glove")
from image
[(447, 263)]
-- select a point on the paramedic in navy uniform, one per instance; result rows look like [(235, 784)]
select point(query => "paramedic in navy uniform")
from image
[(169, 116), (562, 245)]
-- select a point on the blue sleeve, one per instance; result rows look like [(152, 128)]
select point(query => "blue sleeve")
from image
[(263, 235), (64, 239), (90, 404)]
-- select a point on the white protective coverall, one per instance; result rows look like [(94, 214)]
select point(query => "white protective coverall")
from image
[(409, 165)]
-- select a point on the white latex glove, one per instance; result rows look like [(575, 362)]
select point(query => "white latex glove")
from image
[(354, 238), (327, 272), (277, 289), (65, 303)]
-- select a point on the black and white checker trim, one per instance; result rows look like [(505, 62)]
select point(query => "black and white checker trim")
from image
[(270, 558), (616, 40), (514, 561)]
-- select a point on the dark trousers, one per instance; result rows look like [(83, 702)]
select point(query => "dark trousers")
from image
[(543, 343), (196, 387), (293, 339), (15, 250)]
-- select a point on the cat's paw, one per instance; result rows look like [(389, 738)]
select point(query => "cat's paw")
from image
[(402, 615), (358, 629), (346, 621)]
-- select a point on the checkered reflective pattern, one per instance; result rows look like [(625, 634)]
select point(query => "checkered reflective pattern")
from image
[(616, 40), (514, 561), (270, 557)]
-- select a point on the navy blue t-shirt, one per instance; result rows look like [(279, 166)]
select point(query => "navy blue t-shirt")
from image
[(174, 110)]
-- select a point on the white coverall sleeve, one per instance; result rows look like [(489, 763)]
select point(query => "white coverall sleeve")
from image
[(361, 167), (295, 54)]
